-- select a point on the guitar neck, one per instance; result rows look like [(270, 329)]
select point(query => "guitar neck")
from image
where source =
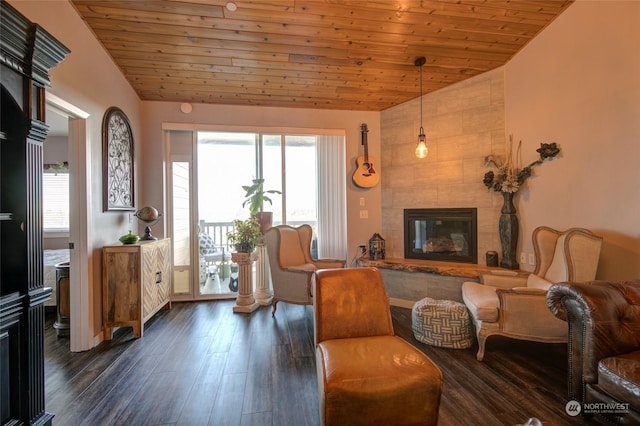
[(364, 142)]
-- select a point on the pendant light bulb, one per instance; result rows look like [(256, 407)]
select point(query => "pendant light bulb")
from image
[(421, 147)]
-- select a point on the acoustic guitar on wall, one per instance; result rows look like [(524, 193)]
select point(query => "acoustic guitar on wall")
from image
[(365, 175)]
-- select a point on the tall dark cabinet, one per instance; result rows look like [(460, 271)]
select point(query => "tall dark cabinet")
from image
[(27, 54)]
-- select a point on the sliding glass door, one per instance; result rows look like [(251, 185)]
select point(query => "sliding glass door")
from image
[(206, 172), (226, 161)]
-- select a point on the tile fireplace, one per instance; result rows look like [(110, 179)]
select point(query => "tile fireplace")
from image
[(447, 234)]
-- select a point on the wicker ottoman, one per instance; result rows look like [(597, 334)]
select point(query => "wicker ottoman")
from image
[(443, 323)]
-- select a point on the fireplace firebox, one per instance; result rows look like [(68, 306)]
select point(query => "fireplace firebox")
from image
[(441, 234)]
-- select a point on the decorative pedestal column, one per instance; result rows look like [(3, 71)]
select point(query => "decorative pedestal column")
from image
[(263, 293), (245, 302)]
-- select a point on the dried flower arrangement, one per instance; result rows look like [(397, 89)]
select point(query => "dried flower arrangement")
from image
[(511, 176)]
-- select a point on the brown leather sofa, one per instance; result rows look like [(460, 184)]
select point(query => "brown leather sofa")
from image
[(603, 348)]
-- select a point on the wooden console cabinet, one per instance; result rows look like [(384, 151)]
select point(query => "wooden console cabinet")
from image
[(136, 283)]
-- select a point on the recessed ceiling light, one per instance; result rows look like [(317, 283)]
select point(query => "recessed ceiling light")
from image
[(231, 6)]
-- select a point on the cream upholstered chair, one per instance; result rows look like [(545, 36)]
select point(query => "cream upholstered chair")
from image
[(515, 305), (289, 252), (366, 374)]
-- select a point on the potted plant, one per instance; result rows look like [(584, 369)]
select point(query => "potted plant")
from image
[(255, 197), (245, 235)]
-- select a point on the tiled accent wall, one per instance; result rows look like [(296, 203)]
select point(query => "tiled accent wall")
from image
[(463, 124)]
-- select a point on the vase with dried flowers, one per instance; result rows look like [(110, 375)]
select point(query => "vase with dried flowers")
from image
[(508, 179)]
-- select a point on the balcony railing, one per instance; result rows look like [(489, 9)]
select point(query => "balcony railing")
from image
[(218, 231)]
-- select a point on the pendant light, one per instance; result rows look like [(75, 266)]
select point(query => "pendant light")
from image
[(421, 147)]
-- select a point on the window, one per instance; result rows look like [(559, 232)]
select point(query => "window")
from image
[(289, 165), (55, 200), (309, 170)]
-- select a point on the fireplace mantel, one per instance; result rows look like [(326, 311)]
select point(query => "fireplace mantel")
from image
[(449, 269), (409, 280)]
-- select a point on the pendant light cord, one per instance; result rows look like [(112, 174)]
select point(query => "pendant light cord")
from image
[(419, 63), (421, 128), (421, 147)]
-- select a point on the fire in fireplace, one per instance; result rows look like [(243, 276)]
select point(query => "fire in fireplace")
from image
[(441, 234)]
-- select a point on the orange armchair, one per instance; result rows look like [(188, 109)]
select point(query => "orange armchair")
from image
[(366, 374)]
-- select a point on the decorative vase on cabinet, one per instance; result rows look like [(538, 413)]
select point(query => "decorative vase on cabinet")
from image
[(136, 283)]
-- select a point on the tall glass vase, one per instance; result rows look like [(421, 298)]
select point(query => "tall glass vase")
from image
[(508, 227)]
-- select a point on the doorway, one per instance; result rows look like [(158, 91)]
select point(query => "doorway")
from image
[(202, 267), (59, 113)]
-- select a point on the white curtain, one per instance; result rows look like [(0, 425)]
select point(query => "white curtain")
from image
[(332, 212)]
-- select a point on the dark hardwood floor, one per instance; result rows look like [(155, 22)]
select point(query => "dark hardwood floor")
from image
[(200, 364)]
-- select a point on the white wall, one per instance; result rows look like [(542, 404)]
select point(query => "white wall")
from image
[(55, 150), (578, 84), (88, 79), (157, 113)]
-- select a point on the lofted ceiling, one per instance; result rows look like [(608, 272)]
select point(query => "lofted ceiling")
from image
[(327, 54)]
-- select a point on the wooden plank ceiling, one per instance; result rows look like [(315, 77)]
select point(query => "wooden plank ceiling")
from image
[(329, 54)]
